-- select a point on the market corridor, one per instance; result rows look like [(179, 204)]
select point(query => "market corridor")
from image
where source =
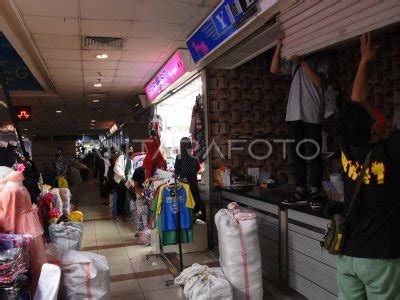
[(130, 273)]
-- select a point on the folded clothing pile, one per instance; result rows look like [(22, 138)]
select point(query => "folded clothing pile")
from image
[(202, 282), (14, 265)]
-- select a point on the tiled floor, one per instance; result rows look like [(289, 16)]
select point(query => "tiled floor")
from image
[(131, 274)]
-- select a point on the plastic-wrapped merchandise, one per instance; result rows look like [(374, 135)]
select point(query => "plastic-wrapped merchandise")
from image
[(239, 250), (57, 199), (203, 283), (14, 265), (49, 283), (67, 235), (84, 275), (66, 201)]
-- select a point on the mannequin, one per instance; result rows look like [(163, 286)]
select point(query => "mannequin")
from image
[(154, 159), (19, 216)]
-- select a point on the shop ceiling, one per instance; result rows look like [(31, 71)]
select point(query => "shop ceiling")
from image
[(50, 37)]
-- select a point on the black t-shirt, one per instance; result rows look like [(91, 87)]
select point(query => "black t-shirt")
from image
[(374, 222)]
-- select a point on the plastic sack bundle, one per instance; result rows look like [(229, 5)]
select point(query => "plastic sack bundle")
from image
[(67, 235), (239, 250), (202, 283), (84, 275)]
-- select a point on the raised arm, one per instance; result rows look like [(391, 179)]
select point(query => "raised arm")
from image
[(359, 91), (275, 64)]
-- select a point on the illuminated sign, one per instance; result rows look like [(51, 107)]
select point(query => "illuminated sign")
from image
[(23, 113), (219, 26), (113, 128), (173, 70)]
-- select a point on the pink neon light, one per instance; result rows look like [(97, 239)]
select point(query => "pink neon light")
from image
[(170, 72)]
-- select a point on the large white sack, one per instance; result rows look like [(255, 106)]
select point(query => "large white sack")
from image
[(202, 283), (67, 235), (239, 250), (49, 283), (84, 275)]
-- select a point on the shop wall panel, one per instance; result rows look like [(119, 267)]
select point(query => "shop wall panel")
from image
[(310, 247), (308, 288), (320, 274)]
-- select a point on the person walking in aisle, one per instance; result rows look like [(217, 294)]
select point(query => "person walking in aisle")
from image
[(304, 116), (120, 179), (369, 265)]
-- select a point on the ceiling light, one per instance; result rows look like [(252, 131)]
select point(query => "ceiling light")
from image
[(26, 129), (102, 56), (59, 111), (95, 100), (93, 121), (98, 84)]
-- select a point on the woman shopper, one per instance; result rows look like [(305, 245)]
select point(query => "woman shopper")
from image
[(369, 265), (186, 168)]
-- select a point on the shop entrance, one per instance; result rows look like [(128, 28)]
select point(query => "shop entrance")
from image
[(176, 114)]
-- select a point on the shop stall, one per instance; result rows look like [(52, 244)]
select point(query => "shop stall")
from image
[(247, 105)]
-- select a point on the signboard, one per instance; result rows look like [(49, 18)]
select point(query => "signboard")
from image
[(17, 74), (113, 128), (23, 113), (173, 70), (219, 26)]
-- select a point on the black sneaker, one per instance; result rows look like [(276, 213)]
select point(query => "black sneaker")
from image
[(317, 201), (296, 199)]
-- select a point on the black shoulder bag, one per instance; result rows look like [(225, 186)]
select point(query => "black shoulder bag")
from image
[(336, 232)]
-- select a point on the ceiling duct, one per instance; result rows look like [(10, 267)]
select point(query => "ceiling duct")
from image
[(102, 43), (260, 41)]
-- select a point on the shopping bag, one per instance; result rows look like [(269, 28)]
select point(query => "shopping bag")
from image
[(67, 235), (49, 283)]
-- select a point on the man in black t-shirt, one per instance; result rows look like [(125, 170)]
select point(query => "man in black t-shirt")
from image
[(369, 266)]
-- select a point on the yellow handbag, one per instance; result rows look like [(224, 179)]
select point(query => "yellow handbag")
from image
[(62, 182), (76, 216)]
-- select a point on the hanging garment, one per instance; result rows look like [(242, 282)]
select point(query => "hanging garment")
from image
[(197, 129), (165, 207), (168, 206), (19, 216)]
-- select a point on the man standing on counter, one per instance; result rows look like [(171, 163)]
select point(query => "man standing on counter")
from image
[(304, 116), (369, 267)]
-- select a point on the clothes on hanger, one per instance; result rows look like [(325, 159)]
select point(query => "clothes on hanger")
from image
[(197, 129), (165, 206)]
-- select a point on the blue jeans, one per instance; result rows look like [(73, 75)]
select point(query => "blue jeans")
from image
[(115, 205)]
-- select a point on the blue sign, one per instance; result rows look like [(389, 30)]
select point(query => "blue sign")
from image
[(17, 74), (224, 22)]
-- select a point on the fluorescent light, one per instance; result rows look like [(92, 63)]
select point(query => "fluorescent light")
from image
[(97, 84), (95, 100), (93, 121), (59, 111), (102, 56)]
